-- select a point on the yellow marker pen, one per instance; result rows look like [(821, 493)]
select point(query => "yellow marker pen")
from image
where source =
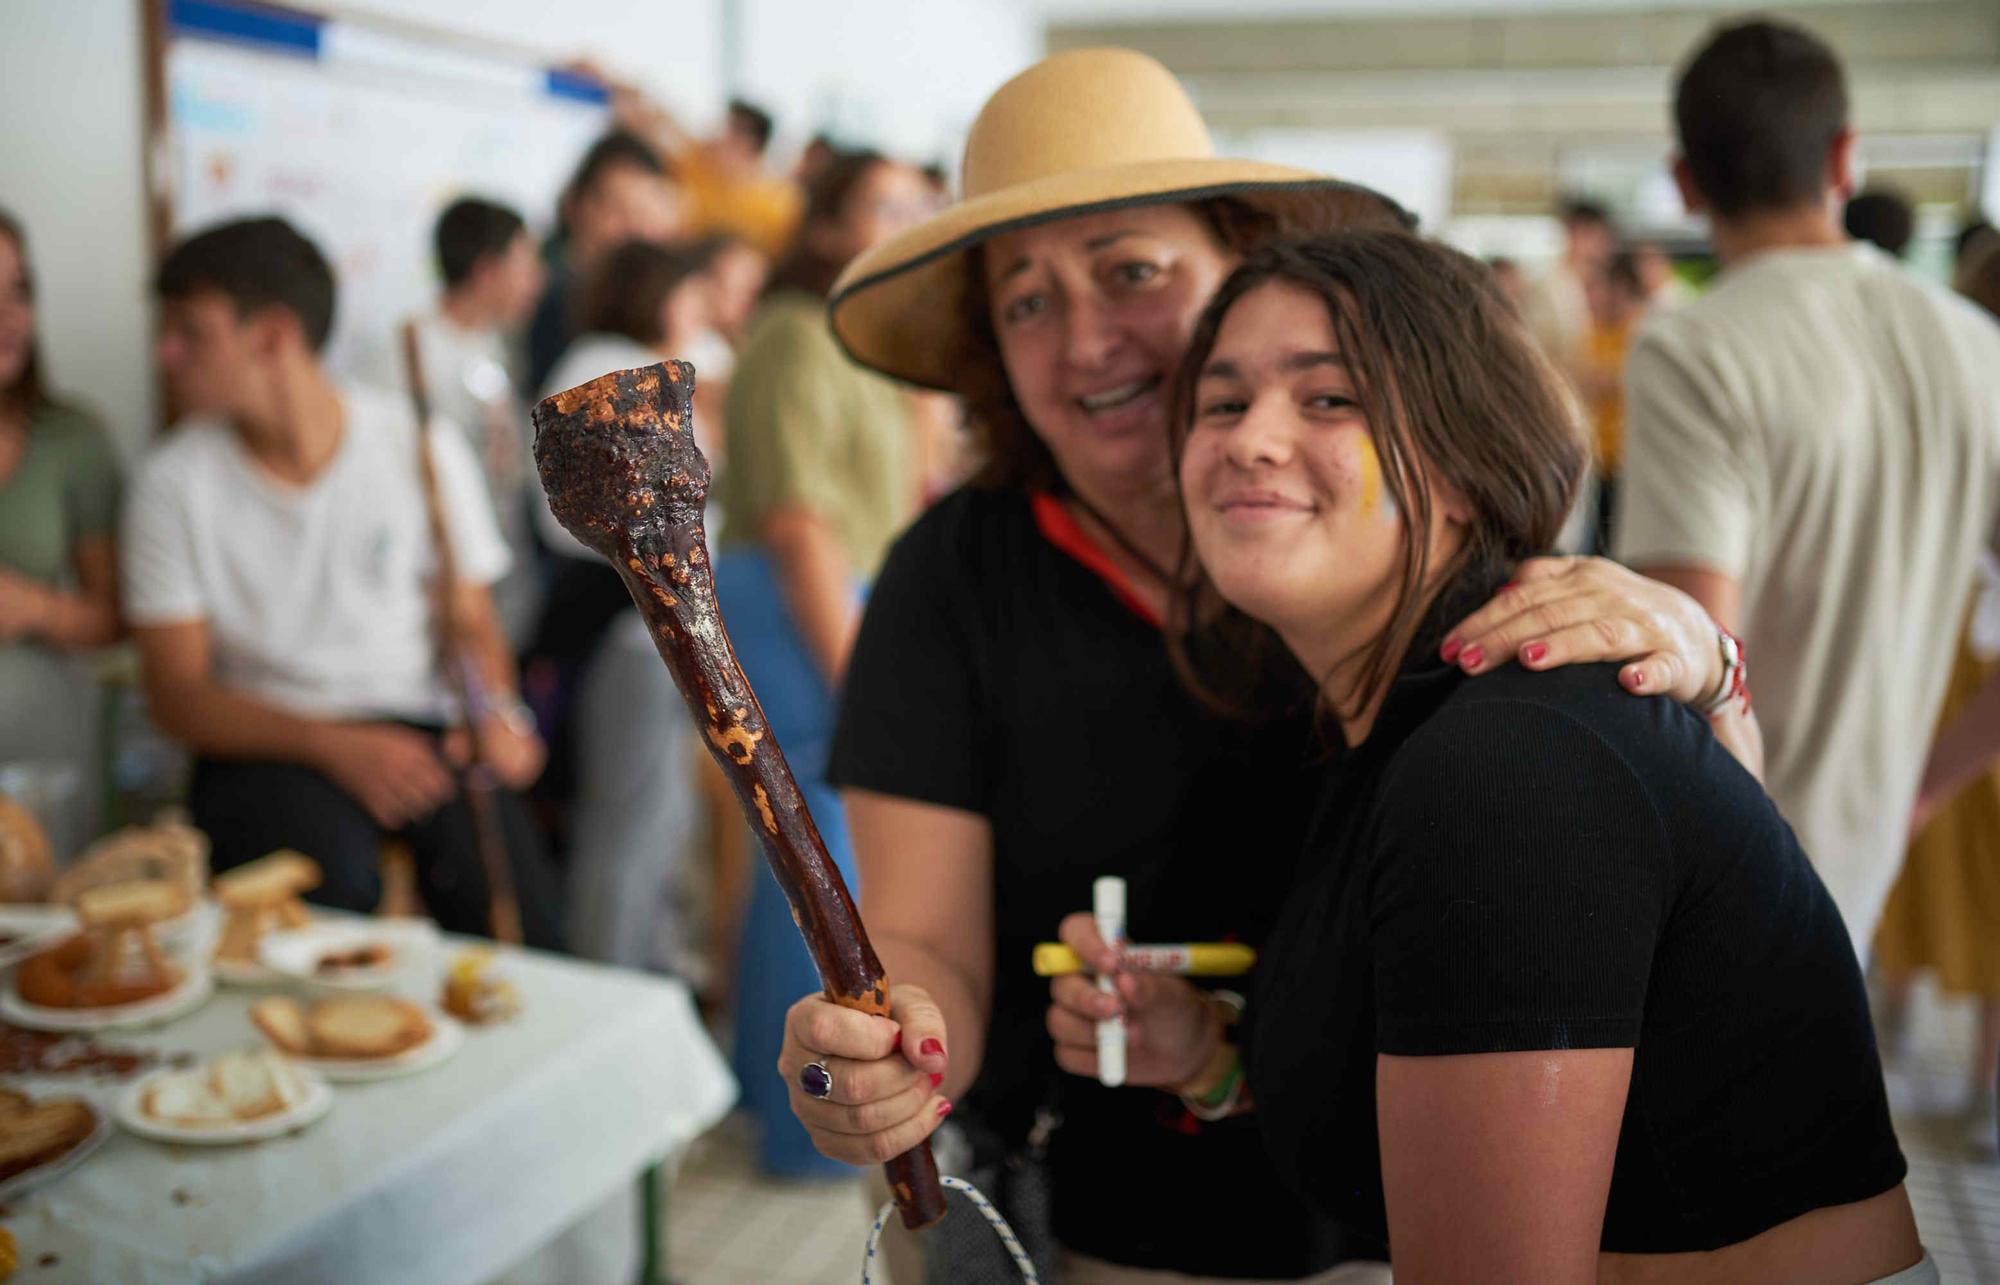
[(1186, 959)]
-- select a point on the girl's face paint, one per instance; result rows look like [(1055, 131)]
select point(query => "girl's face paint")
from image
[(1375, 497)]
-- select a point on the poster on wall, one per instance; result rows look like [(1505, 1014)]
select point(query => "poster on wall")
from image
[(360, 137)]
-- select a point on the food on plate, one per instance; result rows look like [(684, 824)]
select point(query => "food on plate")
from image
[(374, 954), (260, 897), (35, 1133), (230, 1089), (350, 1026), (114, 960), (26, 863), (473, 993), (167, 852)]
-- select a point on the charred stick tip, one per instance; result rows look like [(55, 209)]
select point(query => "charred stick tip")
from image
[(617, 455)]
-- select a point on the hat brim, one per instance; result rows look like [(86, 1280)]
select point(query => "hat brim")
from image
[(898, 308)]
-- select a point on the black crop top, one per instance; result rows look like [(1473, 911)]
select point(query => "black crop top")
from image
[(1527, 861)]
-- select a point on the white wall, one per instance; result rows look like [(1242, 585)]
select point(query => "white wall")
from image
[(904, 74), (907, 76), (70, 168)]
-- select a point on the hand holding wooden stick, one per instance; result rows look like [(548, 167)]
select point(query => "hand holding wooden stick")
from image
[(623, 474)]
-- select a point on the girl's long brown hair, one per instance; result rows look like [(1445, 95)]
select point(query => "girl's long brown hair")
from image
[(28, 393), (1456, 395)]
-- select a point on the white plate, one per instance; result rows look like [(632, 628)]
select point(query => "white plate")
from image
[(33, 927), (446, 1037), (296, 952), (131, 1114), (242, 972), (23, 1183), (191, 994)]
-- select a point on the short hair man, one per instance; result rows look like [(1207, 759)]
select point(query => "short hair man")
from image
[(278, 573), (493, 276), (1813, 451)]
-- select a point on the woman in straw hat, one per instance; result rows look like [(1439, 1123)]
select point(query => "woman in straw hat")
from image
[(1012, 727)]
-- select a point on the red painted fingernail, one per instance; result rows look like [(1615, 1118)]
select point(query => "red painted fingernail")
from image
[(931, 1048), (1635, 678), (936, 1079), (1449, 652), (1472, 657), (897, 1045), (1533, 653), (1509, 585), (944, 1108)]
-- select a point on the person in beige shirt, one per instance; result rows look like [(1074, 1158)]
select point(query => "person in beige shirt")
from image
[(1813, 452)]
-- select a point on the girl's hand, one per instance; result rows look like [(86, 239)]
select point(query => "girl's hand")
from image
[(1171, 1027), (1572, 611), (885, 1073)]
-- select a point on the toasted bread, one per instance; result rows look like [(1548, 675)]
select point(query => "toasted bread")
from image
[(43, 1132), (175, 853), (283, 1022), (255, 1082), (13, 1102), (280, 876), (26, 863), (134, 902), (366, 1026), (186, 1098)]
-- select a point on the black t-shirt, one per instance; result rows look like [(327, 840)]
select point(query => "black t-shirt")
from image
[(1527, 861), (995, 674)]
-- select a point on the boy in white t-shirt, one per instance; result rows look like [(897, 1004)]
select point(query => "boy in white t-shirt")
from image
[(278, 576), (1813, 452)]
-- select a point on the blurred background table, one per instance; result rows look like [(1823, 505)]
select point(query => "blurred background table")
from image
[(518, 1158)]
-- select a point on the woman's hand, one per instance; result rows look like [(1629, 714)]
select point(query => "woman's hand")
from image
[(885, 1073), (1171, 1027), (1571, 611)]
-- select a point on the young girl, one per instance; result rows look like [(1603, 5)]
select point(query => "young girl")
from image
[(1556, 996)]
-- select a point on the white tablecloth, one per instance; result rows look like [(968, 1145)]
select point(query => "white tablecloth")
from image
[(450, 1175)]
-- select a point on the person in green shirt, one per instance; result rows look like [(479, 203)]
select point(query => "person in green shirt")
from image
[(819, 475), (59, 494)]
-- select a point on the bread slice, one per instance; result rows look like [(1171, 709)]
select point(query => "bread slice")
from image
[(186, 1098), (283, 1023), (267, 880), (366, 1026), (255, 1082), (13, 1102), (137, 901), (42, 1133)]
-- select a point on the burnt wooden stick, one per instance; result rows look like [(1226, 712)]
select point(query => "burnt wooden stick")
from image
[(619, 462)]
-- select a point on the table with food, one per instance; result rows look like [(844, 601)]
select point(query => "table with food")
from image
[(210, 1080)]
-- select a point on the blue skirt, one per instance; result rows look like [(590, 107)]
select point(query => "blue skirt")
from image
[(774, 970)]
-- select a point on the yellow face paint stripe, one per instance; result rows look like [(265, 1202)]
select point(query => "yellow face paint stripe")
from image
[(1371, 476)]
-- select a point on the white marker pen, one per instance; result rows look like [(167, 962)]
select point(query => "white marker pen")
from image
[(1107, 904)]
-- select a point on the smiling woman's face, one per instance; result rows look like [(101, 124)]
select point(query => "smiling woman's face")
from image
[(1092, 315), (1284, 489)]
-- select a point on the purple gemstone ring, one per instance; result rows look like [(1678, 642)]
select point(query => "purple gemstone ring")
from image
[(816, 1080)]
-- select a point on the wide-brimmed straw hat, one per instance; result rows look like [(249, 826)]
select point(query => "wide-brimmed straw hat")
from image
[(1077, 133)]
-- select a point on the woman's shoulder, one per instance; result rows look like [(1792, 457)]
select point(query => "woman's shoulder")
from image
[(963, 534), (1515, 729), (73, 426)]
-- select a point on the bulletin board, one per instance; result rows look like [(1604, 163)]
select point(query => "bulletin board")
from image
[(360, 135)]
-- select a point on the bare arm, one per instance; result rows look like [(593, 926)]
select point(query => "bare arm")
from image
[(1497, 1166), (816, 583), (66, 619), (927, 897), (392, 771)]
